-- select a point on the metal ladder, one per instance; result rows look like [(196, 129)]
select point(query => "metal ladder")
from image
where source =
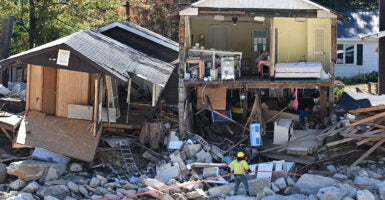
[(128, 158)]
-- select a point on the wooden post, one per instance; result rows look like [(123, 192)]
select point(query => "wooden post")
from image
[(128, 100), (182, 58), (381, 53), (323, 105)]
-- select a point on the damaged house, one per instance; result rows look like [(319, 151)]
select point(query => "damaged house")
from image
[(75, 84), (249, 61)]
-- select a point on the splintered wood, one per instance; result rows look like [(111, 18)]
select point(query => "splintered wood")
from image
[(368, 126), (152, 135)]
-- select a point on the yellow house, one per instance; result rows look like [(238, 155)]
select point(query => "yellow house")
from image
[(264, 48)]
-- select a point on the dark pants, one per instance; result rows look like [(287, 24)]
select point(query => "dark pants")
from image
[(238, 178)]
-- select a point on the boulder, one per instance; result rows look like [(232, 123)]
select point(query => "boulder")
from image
[(32, 187), (255, 185), (17, 184), (311, 184), (30, 170), (3, 173), (58, 191), (365, 195)]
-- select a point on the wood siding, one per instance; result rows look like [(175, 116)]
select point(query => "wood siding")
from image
[(35, 87), (370, 60), (73, 88)]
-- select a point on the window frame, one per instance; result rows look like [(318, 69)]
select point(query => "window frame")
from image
[(355, 54)]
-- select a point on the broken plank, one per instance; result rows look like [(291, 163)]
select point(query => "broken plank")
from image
[(373, 108), (368, 119), (374, 147), (340, 141), (366, 140), (122, 126)]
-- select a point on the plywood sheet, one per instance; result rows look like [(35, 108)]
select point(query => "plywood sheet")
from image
[(35, 88), (72, 88), (68, 137), (217, 98)]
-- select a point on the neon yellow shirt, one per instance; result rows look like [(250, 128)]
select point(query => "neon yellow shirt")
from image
[(239, 166)]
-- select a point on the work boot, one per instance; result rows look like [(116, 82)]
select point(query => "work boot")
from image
[(247, 193)]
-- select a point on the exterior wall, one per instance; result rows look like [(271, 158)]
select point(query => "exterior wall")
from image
[(369, 62), (72, 88)]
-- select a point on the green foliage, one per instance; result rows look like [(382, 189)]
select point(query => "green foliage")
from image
[(349, 5), (38, 22), (359, 79)]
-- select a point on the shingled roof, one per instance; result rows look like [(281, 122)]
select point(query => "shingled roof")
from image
[(106, 55)]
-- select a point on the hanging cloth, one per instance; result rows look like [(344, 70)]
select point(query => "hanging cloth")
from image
[(295, 103)]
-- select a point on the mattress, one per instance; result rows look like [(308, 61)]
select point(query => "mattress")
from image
[(298, 70)]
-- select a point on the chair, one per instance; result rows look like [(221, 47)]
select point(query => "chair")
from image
[(264, 68), (246, 66)]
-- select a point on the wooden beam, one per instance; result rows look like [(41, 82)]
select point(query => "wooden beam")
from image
[(122, 126), (340, 141), (323, 104), (374, 147), (368, 119), (366, 140), (257, 84), (373, 108)]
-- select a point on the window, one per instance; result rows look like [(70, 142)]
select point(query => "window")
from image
[(260, 41), (349, 54)]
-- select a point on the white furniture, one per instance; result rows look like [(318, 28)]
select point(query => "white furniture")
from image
[(298, 70), (215, 56)]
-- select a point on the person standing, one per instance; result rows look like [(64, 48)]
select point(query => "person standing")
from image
[(240, 167)]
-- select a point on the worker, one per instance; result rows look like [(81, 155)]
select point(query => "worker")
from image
[(240, 167)]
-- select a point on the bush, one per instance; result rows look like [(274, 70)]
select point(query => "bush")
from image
[(359, 78)]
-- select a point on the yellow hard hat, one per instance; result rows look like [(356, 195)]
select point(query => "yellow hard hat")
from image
[(240, 154)]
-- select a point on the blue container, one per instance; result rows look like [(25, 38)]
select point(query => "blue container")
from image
[(255, 135)]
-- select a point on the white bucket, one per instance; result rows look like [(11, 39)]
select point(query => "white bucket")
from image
[(214, 74)]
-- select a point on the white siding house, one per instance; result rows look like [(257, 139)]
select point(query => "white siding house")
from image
[(354, 54)]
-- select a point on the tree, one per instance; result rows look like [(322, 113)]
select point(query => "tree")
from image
[(41, 21)]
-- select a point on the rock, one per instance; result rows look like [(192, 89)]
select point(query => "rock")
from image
[(50, 198), (340, 177), (102, 179), (155, 193), (22, 196), (70, 198), (90, 189), (102, 191), (58, 191), (312, 197), (95, 197), (129, 186), (366, 183), (167, 171), (112, 185), (154, 183), (280, 197), (365, 195), (176, 158), (268, 191), (198, 193), (306, 184), (204, 156), (353, 171), (255, 185), (275, 187), (83, 191), (330, 193), (375, 175), (290, 181), (331, 168), (94, 182), (288, 190), (281, 183), (30, 170), (31, 187), (17, 184), (52, 174), (363, 173), (73, 187), (191, 149), (126, 192), (3, 173), (260, 195), (347, 198), (381, 189), (75, 167)]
